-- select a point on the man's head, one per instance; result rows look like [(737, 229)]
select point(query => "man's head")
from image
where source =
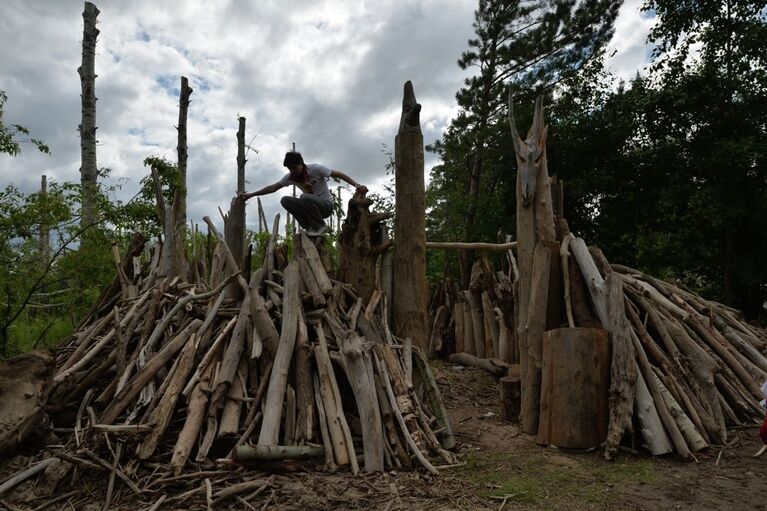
[(295, 164)]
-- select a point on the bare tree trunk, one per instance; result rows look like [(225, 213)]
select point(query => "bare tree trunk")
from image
[(45, 228), (409, 287), (87, 72), (234, 230), (183, 110)]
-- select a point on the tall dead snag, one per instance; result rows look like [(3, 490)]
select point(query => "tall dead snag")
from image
[(535, 225), (410, 293), (361, 242), (45, 228), (183, 110), (87, 72), (234, 230)]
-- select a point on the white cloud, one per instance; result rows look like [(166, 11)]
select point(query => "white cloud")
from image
[(327, 75)]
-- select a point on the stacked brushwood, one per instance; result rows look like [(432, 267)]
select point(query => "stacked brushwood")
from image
[(475, 326), (643, 356), (698, 363), (204, 374)]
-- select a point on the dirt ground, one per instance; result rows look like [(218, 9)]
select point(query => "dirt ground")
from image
[(499, 468)]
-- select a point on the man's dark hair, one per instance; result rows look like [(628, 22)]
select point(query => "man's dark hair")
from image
[(292, 158)]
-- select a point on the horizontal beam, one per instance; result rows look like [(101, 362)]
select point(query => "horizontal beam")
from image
[(471, 246)]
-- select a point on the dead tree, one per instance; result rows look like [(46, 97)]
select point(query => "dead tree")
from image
[(235, 222), (361, 242), (183, 110), (410, 293), (87, 72)]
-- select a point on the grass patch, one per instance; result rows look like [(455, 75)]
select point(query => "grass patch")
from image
[(553, 480)]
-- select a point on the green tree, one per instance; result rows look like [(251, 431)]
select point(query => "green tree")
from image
[(530, 46)]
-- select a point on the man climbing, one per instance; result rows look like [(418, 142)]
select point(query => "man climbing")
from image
[(315, 203)]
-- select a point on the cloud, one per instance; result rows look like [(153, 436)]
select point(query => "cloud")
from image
[(325, 74)]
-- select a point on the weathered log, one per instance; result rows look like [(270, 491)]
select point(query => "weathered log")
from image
[(431, 389), (535, 326), (574, 358), (315, 263), (359, 371), (274, 396), (304, 385), (229, 426), (594, 281), (622, 368), (161, 415), (686, 427), (410, 291), (360, 244), (343, 448), (665, 416), (133, 387), (277, 452), (655, 437), (493, 366)]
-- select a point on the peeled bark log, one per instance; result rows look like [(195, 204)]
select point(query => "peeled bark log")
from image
[(655, 437), (274, 396)]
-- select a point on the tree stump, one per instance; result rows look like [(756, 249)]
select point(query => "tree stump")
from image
[(361, 242), (574, 359)]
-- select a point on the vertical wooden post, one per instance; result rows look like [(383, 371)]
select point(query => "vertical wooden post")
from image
[(409, 265), (535, 225), (87, 72)]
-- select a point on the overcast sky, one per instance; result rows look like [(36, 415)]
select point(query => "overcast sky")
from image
[(325, 74)]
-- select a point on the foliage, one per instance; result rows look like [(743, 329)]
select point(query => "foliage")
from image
[(665, 173), (9, 142), (527, 47)]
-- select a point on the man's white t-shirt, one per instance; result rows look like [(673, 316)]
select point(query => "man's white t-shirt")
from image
[(317, 177)]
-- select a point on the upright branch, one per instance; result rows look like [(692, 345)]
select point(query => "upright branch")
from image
[(409, 299), (87, 128)]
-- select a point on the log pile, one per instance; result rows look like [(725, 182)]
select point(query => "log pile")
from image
[(475, 326), (682, 369), (190, 375)]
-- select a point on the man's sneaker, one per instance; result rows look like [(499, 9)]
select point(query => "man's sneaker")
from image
[(319, 231)]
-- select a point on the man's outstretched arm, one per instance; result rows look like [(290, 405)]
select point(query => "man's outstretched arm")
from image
[(340, 175), (263, 191)]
